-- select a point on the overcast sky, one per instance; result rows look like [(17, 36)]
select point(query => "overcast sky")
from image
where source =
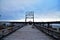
[(44, 10)]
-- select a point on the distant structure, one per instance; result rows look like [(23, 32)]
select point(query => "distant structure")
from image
[(29, 15), (0, 15)]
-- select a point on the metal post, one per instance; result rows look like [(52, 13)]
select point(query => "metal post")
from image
[(57, 29), (48, 25)]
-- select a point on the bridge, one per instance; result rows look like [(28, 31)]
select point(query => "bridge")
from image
[(29, 31), (10, 30)]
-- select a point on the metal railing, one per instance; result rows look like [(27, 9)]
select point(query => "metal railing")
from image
[(6, 30), (47, 28)]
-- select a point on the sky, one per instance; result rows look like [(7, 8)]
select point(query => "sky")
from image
[(44, 10)]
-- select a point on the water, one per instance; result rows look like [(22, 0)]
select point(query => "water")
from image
[(55, 25)]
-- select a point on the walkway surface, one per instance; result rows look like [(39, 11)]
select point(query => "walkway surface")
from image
[(28, 33)]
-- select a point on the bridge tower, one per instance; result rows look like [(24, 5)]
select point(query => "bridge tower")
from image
[(29, 15)]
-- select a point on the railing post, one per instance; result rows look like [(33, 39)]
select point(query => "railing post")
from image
[(48, 25), (57, 29)]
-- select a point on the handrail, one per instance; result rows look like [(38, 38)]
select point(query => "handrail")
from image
[(49, 31)]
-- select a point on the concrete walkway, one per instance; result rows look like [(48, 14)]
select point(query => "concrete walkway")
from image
[(28, 33)]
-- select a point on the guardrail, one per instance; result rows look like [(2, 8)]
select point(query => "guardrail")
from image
[(6, 30), (47, 29), (43, 26)]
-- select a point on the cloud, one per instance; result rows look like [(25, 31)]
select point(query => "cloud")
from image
[(48, 16), (15, 9), (11, 5)]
